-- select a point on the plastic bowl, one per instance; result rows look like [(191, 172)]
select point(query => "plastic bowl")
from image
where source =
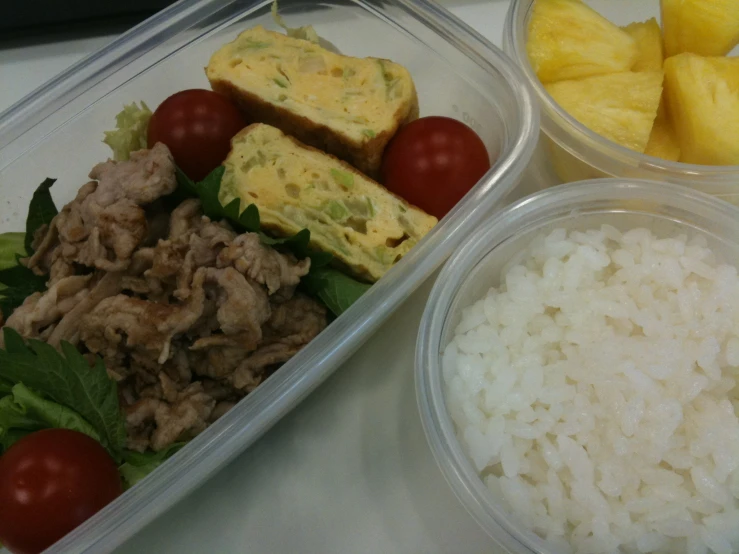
[(576, 153), (477, 265)]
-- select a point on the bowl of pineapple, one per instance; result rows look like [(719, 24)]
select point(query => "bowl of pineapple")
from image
[(642, 88)]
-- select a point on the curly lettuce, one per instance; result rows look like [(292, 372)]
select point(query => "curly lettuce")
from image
[(137, 465), (306, 33), (129, 135)]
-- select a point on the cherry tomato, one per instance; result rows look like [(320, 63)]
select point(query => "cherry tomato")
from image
[(433, 162), (50, 482), (197, 127)]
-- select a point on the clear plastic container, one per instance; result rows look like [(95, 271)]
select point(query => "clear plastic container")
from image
[(576, 153), (57, 130), (474, 268)]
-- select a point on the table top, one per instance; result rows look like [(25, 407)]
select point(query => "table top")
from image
[(348, 470)]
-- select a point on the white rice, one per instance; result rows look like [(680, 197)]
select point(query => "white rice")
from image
[(594, 389)]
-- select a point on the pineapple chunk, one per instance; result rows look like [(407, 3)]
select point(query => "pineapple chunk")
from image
[(702, 97), (648, 39), (620, 106), (706, 27), (569, 40), (662, 141), (727, 69)]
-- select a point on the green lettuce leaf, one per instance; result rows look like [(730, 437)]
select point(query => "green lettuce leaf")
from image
[(67, 379), (12, 245), (208, 191), (132, 124), (40, 212), (51, 413), (11, 437), (17, 282), (185, 187), (337, 290), (20, 282), (6, 387), (298, 244), (14, 416), (23, 412), (138, 465)]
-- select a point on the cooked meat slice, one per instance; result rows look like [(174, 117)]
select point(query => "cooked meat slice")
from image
[(39, 236), (134, 279), (93, 235), (140, 423), (127, 396), (185, 218), (105, 223), (180, 370), (220, 410), (242, 310), (68, 327), (58, 267), (182, 420), (145, 382), (141, 260), (291, 326), (157, 424), (263, 264), (203, 247), (120, 228), (209, 239), (40, 310), (194, 242), (142, 411), (132, 324), (219, 390), (217, 362), (258, 366), (158, 227), (147, 176), (169, 255), (170, 390), (47, 248), (301, 318), (167, 260)]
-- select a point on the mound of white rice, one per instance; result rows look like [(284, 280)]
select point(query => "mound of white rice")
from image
[(595, 390)]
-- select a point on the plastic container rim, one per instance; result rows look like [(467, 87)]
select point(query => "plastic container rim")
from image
[(556, 118), (530, 212)]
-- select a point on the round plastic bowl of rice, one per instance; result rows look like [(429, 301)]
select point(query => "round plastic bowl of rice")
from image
[(576, 368)]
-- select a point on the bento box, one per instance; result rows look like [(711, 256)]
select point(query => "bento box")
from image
[(57, 132)]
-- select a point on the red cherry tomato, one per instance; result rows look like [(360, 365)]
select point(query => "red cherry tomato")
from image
[(50, 482), (197, 127), (433, 162)]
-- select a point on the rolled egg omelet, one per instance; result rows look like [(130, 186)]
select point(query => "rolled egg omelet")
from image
[(348, 107), (366, 227)]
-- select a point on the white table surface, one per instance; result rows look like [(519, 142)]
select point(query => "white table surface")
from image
[(349, 470)]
